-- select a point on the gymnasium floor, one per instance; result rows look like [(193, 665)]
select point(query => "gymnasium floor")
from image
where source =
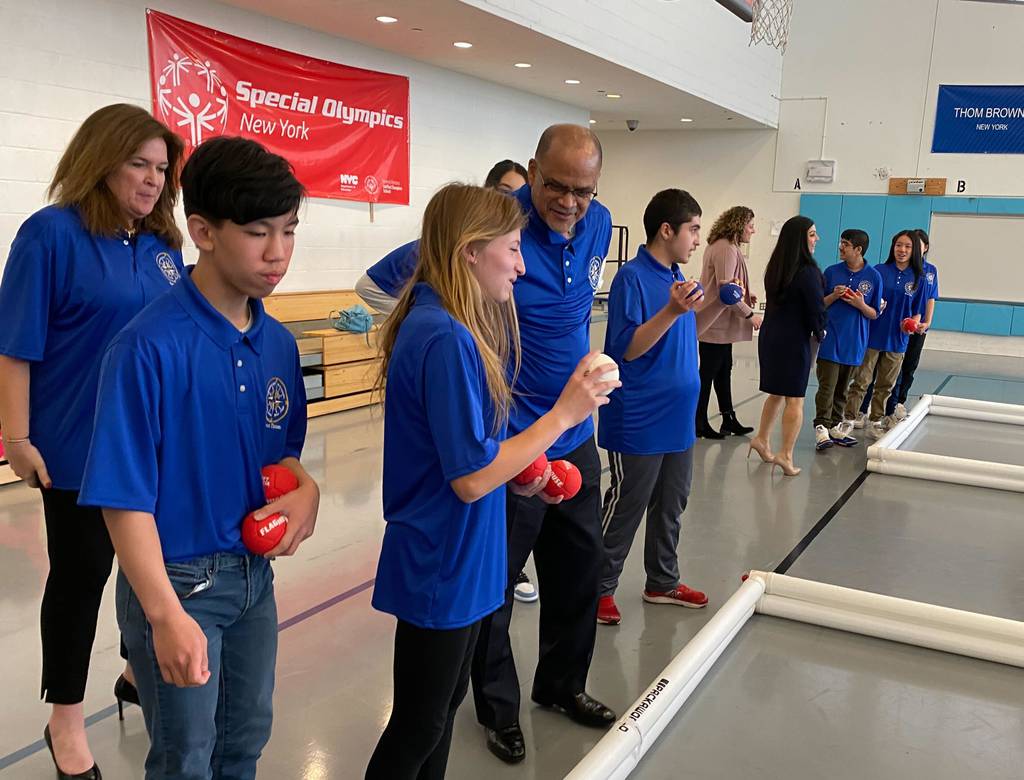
[(784, 701)]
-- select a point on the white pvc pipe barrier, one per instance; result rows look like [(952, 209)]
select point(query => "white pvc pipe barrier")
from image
[(899, 434), (976, 414), (969, 634), (952, 463), (621, 749), (950, 402), (978, 479)]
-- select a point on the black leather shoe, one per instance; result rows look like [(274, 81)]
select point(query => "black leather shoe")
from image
[(731, 425), (124, 691), (705, 431), (507, 744), (584, 709)]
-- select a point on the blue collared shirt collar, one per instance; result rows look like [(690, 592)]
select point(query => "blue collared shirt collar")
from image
[(214, 324)]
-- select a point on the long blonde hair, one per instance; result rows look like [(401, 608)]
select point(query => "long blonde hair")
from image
[(458, 216), (106, 139), (730, 224)]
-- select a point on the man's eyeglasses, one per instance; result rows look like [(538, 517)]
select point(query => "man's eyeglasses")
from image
[(583, 194)]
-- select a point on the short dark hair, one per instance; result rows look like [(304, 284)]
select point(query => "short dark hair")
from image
[(858, 238), (500, 169), (672, 206), (237, 179)]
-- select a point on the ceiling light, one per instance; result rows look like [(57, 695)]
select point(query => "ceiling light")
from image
[(523, 65), (685, 119), (462, 45), (386, 19), (593, 121), (572, 81), (612, 96)]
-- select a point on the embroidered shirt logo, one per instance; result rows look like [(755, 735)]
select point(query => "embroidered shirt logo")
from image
[(277, 402), (864, 287), (594, 271), (167, 267)]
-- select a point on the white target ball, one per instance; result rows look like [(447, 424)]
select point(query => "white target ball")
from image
[(610, 376)]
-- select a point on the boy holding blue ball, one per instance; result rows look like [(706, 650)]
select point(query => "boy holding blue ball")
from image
[(648, 426)]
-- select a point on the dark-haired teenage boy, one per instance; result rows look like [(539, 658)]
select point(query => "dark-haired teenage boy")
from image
[(853, 301), (198, 393), (648, 425)]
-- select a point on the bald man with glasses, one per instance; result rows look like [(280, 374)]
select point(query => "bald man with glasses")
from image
[(564, 248)]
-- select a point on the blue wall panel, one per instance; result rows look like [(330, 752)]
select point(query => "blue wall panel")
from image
[(949, 315), (902, 212), (955, 205), (989, 318), (1017, 325), (866, 212), (825, 211), (1001, 206)]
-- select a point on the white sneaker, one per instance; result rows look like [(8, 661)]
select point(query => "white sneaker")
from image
[(876, 429), (861, 420), (525, 591), (822, 441), (840, 434), (900, 413)]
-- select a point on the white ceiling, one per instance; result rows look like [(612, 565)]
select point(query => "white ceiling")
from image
[(426, 30)]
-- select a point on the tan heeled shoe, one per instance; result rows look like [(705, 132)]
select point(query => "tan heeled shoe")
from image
[(764, 452), (786, 465)]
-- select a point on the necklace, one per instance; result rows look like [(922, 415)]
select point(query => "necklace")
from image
[(131, 231)]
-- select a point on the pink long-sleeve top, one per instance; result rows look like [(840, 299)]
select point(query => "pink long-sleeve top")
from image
[(716, 322)]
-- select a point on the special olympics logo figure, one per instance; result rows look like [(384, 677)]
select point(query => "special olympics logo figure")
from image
[(191, 94)]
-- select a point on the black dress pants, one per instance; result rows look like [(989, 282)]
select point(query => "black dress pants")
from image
[(431, 678), (715, 370), (568, 552), (81, 556)]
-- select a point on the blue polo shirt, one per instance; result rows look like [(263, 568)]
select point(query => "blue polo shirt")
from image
[(64, 296), (392, 271), (655, 409), (904, 298), (931, 282), (189, 410), (554, 300), (848, 330), (442, 562)]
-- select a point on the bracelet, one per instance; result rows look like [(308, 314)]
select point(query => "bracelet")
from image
[(750, 316), (15, 441)]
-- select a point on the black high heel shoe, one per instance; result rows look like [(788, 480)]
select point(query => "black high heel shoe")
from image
[(124, 691), (89, 774)]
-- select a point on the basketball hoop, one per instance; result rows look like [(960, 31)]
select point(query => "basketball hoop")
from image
[(771, 22)]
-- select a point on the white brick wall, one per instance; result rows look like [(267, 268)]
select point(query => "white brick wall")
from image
[(62, 59), (694, 45)]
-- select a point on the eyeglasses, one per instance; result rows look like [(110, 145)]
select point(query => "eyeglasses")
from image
[(583, 194)]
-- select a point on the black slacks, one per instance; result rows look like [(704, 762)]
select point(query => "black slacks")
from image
[(716, 370), (431, 672), (568, 552), (81, 556)]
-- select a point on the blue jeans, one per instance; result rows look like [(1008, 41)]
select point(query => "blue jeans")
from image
[(216, 730)]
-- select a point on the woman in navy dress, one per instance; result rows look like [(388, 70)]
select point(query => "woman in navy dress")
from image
[(793, 319)]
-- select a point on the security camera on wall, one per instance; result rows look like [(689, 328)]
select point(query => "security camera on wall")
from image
[(632, 124)]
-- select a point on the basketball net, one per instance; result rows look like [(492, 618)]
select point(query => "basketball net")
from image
[(771, 22)]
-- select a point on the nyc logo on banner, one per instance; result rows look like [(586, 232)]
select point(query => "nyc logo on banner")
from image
[(979, 120), (345, 130)]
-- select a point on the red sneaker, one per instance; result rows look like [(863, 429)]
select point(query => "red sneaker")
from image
[(682, 596), (607, 612)]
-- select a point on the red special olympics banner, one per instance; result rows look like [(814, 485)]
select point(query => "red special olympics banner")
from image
[(346, 130)]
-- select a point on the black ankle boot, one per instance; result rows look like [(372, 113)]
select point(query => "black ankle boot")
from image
[(731, 425), (705, 431)]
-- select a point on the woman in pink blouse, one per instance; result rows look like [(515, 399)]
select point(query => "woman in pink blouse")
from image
[(719, 326)]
